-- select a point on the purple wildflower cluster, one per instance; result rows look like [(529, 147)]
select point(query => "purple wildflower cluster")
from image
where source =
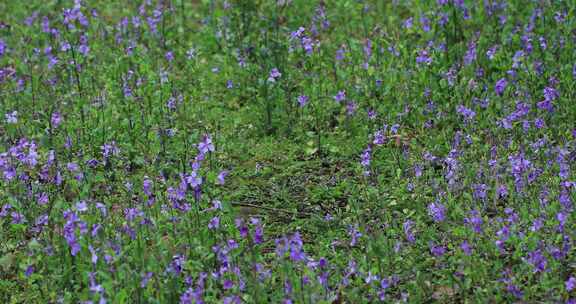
[(397, 159)]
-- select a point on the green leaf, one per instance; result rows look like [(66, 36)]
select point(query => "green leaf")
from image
[(121, 297), (7, 261), (34, 245), (310, 150)]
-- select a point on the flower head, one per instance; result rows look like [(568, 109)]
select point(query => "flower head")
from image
[(570, 284), (341, 96), (437, 211), (500, 86), (274, 75), (12, 117), (303, 100)]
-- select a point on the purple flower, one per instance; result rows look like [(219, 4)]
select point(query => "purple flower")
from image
[(176, 266), (232, 300), (423, 57), (52, 61), (214, 223), (537, 224), (191, 296), (437, 250), (303, 100), (94, 257), (366, 157), (425, 22), (145, 278), (297, 33), (109, 149), (29, 271), (221, 176), (559, 16), (475, 221), (102, 208), (216, 205), (55, 120), (12, 117), (65, 46), (258, 231), (408, 23), (341, 52), (550, 94), (470, 55), (545, 105), (191, 53), (393, 51), (45, 24), (437, 211), (408, 233), (543, 43), (2, 48), (372, 114), (307, 44), (354, 235), (296, 248), (480, 191), (384, 284), (570, 284), (537, 260), (491, 52), (564, 199), (147, 185), (206, 145), (465, 246), (526, 126), (228, 284), (242, 228), (341, 96), (72, 167), (17, 218), (81, 206), (514, 290), (379, 138), (539, 123), (42, 198), (169, 56), (500, 86), (171, 103), (84, 49), (95, 229), (274, 75), (517, 59), (5, 209), (468, 114), (351, 108), (132, 213), (368, 48)]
